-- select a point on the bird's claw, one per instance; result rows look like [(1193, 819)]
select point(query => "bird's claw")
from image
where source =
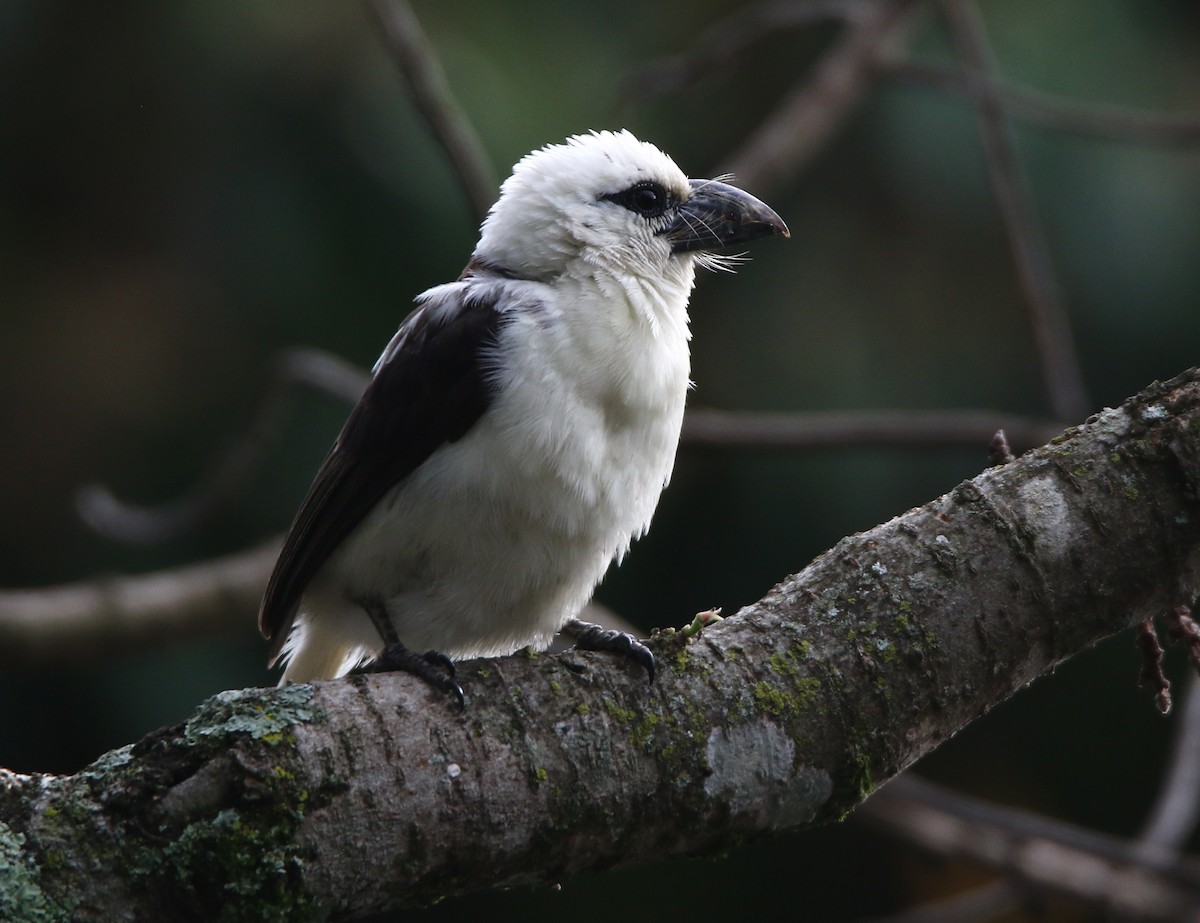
[(591, 637), (433, 666), (438, 659)]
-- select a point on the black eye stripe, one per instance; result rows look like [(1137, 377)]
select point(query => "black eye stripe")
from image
[(647, 198)]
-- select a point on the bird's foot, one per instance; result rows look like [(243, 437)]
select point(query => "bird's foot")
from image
[(591, 637), (433, 666)]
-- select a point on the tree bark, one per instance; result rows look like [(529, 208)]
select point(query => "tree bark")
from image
[(347, 797)]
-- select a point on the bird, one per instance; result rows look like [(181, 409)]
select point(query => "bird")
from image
[(518, 429)]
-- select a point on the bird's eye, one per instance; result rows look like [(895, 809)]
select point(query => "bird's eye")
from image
[(650, 200), (647, 199)]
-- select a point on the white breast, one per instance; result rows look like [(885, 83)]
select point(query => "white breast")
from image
[(501, 537)]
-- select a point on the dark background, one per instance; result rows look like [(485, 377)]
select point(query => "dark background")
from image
[(187, 188)]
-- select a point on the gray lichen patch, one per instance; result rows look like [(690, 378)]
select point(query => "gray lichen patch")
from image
[(21, 897), (1044, 507), (752, 768), (265, 716), (108, 763)]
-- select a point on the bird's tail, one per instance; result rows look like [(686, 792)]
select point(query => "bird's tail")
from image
[(311, 653)]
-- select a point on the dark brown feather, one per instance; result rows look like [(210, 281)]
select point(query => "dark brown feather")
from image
[(430, 389)]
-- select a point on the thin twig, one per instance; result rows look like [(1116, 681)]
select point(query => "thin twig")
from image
[(904, 429), (1151, 673), (1031, 252), (999, 449), (1182, 629), (431, 94), (1034, 107), (118, 520), (818, 105), (723, 42)]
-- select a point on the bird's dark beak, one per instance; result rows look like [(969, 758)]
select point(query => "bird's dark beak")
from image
[(717, 215)]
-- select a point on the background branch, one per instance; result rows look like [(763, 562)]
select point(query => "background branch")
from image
[(1031, 252), (819, 104), (722, 43), (84, 621), (1106, 873), (216, 493), (81, 622), (897, 429), (1177, 808), (431, 93), (1046, 110)]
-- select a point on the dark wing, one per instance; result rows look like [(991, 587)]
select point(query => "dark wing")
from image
[(431, 385)]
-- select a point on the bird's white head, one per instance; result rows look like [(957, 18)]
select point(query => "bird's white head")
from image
[(609, 202)]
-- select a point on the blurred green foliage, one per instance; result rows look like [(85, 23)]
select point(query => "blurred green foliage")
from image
[(187, 188)]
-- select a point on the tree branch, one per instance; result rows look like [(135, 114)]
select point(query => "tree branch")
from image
[(362, 794)]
